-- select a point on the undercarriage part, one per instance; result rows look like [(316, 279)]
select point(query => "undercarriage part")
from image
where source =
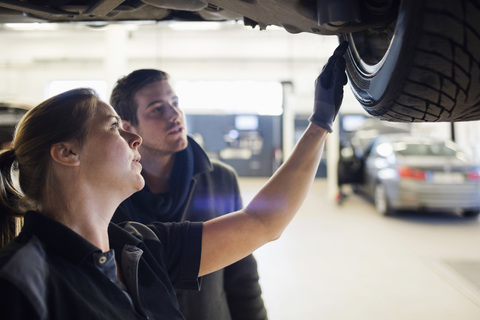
[(337, 13), (327, 17)]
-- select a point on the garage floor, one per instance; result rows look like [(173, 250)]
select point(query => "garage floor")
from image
[(347, 262)]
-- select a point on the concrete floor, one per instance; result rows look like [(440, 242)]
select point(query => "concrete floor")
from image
[(347, 262)]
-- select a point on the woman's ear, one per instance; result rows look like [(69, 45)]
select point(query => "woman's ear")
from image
[(65, 153)]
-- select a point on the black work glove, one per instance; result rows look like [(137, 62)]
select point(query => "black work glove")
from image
[(329, 89)]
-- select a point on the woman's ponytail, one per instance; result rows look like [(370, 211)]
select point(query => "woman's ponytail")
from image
[(12, 205)]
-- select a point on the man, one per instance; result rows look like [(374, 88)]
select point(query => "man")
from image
[(182, 183)]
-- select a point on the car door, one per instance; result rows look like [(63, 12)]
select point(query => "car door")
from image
[(350, 166)]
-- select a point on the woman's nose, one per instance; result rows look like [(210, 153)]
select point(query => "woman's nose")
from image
[(134, 140)]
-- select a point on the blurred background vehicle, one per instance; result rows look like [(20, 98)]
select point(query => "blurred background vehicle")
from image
[(10, 114), (372, 128), (404, 172), (356, 133), (408, 60)]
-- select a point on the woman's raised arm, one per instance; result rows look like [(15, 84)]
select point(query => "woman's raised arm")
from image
[(231, 237)]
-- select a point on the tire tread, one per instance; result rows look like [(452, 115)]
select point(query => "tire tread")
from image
[(443, 80)]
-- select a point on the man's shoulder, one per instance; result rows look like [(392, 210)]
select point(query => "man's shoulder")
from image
[(221, 171), (222, 166), (203, 160), (220, 177)]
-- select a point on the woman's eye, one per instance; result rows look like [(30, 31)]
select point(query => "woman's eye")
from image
[(157, 110), (115, 125)]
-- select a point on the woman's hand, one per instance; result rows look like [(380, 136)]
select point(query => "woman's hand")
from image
[(329, 89)]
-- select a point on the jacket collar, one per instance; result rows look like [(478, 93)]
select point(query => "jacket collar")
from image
[(201, 161), (66, 242), (57, 237)]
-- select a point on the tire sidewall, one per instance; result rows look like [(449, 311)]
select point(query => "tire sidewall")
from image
[(376, 92)]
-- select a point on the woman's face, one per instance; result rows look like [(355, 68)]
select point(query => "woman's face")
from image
[(109, 157)]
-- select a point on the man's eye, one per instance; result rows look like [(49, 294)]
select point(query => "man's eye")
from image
[(115, 125)]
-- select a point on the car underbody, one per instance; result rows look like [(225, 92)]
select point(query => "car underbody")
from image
[(322, 17), (408, 60)]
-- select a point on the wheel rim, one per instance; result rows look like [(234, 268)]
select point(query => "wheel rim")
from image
[(381, 199), (369, 48)]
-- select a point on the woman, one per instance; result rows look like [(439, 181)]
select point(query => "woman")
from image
[(76, 165)]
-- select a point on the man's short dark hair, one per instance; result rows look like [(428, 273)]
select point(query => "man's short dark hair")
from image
[(122, 98)]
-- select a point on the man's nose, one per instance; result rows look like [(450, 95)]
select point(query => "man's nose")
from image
[(173, 112)]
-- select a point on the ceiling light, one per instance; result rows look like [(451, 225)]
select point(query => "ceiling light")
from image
[(31, 26)]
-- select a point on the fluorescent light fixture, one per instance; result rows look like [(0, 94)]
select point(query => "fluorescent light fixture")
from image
[(231, 97), (34, 26)]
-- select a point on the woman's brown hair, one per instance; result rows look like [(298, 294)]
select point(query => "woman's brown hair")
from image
[(65, 117)]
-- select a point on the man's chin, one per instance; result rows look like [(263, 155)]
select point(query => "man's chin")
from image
[(181, 144), (185, 145)]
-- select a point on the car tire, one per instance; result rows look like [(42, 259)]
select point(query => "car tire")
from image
[(380, 200), (424, 67)]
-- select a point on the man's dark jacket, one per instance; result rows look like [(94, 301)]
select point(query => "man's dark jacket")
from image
[(200, 190)]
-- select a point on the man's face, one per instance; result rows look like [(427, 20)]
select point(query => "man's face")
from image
[(161, 123)]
